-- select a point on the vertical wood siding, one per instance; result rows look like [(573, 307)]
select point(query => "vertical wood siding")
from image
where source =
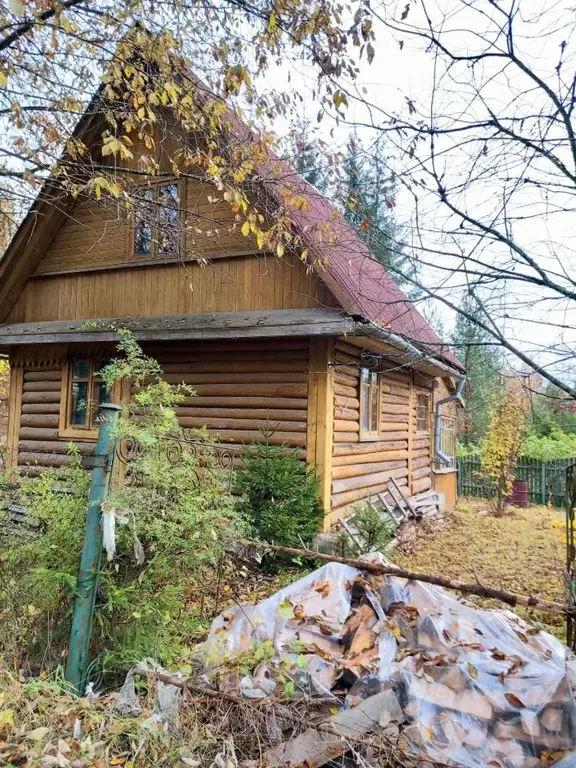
[(227, 285)]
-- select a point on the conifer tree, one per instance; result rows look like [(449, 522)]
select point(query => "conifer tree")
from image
[(368, 197), (482, 362)]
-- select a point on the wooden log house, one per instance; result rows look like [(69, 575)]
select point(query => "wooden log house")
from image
[(329, 355)]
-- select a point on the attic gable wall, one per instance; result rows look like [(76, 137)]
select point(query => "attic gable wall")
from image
[(87, 269), (227, 285), (97, 234)]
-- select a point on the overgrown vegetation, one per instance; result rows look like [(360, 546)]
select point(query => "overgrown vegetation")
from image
[(502, 446), (172, 526), (279, 495)]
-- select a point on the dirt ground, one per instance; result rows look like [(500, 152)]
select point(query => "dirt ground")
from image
[(523, 552)]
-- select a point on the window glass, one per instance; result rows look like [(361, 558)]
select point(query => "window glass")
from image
[(86, 393), (423, 413), (81, 369), (156, 221), (369, 404), (374, 409), (143, 229), (168, 218), (79, 403)]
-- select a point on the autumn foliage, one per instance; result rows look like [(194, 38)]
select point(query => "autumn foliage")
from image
[(503, 445)]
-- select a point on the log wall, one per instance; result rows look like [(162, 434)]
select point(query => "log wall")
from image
[(242, 389), (38, 443), (362, 468)]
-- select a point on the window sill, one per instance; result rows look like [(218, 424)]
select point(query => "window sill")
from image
[(369, 438), (79, 434)]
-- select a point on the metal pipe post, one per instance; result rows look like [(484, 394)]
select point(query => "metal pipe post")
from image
[(101, 464)]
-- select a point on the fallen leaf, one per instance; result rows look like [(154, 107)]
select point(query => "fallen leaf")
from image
[(323, 588), (6, 719), (38, 734), (512, 699), (498, 655), (472, 671), (285, 610)]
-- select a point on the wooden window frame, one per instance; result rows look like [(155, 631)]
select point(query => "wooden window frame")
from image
[(370, 435), (64, 428), (154, 256), (428, 396)]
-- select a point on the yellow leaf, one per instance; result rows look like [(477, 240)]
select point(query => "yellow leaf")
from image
[(245, 228), (3, 79), (6, 718), (239, 176), (280, 250)]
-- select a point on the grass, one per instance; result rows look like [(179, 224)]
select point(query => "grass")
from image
[(523, 551)]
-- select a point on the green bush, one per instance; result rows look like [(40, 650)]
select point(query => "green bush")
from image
[(173, 525), (556, 445), (279, 495), (374, 531)]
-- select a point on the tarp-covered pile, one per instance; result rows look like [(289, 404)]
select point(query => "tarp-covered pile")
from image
[(466, 687)]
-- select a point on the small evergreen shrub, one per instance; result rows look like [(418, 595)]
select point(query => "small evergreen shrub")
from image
[(279, 495), (374, 531)]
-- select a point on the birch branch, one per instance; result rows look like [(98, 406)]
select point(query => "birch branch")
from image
[(503, 595)]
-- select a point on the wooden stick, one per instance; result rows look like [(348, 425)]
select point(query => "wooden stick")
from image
[(510, 598)]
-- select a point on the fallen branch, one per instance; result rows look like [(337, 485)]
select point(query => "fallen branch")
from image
[(503, 595), (211, 693)]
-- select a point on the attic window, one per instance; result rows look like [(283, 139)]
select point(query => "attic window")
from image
[(369, 404), (155, 234)]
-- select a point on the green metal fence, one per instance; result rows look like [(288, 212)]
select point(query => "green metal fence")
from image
[(546, 479)]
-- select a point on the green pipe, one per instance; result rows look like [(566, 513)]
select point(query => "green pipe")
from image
[(77, 661)]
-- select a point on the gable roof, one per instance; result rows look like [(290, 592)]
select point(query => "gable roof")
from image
[(338, 254)]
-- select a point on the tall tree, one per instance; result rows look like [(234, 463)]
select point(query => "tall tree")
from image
[(307, 154), (368, 196), (486, 143), (477, 350)]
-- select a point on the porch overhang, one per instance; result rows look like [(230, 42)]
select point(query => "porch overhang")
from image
[(217, 325)]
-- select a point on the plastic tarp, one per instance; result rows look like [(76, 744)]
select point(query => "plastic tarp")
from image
[(477, 687)]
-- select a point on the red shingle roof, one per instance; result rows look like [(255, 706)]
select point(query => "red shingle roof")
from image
[(340, 256)]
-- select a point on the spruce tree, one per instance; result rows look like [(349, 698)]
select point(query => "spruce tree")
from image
[(307, 154), (483, 365), (368, 198)]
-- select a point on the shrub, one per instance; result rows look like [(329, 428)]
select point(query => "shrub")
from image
[(172, 527), (279, 495), (502, 446), (374, 531)]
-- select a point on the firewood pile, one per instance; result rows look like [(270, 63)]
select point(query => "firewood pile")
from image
[(456, 685)]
